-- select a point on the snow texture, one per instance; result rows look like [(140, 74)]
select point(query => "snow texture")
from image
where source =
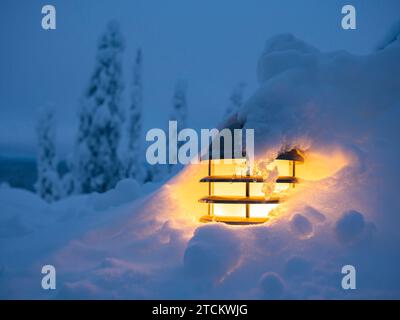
[(138, 242)]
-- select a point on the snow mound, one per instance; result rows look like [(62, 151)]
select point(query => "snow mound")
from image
[(102, 282), (80, 290), (314, 215), (297, 267), (314, 100), (272, 285), (350, 227), (13, 227), (301, 226), (281, 53), (125, 191), (211, 253)]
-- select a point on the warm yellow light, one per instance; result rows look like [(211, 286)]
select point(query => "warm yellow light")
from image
[(229, 188), (284, 167), (239, 210), (185, 191), (226, 169), (229, 210), (261, 210), (321, 165), (256, 189)]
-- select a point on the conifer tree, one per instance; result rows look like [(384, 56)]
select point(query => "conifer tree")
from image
[(97, 165), (48, 181)]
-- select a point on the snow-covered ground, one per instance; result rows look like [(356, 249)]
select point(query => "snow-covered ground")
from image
[(146, 242)]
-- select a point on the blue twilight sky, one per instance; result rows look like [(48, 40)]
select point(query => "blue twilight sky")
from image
[(212, 43)]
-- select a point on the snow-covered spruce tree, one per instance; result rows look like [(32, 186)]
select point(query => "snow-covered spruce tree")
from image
[(48, 182), (98, 167), (179, 104), (67, 180), (235, 99), (179, 110), (134, 165)]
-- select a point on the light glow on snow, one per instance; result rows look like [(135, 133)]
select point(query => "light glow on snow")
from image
[(131, 242), (322, 164), (185, 190)]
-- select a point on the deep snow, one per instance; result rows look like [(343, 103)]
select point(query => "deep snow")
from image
[(146, 242)]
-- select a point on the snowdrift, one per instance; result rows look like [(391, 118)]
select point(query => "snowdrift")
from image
[(340, 108)]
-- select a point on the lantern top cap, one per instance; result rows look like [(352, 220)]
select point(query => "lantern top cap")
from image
[(293, 155)]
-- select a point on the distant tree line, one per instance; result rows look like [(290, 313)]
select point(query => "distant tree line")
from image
[(96, 164)]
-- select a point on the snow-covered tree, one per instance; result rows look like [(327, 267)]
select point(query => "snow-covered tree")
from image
[(97, 165), (391, 37), (235, 99), (48, 181), (67, 180), (134, 163), (179, 110), (155, 173), (179, 104)]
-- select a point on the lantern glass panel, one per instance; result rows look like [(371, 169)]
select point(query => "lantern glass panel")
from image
[(256, 190), (229, 210), (261, 210), (229, 189), (284, 167)]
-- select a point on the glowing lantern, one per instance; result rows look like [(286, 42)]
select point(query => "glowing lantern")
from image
[(235, 196)]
